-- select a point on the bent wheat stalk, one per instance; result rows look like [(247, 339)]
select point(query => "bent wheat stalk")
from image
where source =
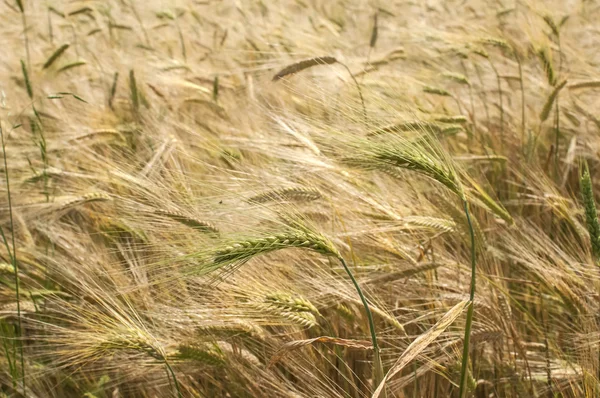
[(301, 237), (416, 157)]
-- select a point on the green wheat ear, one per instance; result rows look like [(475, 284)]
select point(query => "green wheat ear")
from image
[(591, 214)]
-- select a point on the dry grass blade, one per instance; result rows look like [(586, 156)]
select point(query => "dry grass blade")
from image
[(550, 101), (293, 345), (302, 65), (422, 342)]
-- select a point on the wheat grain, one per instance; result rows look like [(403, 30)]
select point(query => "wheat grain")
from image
[(302, 65)]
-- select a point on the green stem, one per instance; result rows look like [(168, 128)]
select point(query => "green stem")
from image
[(13, 258), (174, 379), (465, 357), (378, 373)]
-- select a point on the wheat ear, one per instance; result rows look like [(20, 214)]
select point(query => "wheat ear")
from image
[(591, 213)]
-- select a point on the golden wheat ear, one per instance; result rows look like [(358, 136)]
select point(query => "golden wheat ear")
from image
[(303, 65)]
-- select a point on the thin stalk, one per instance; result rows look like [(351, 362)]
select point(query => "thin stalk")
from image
[(469, 322), (25, 37), (378, 371), (556, 138), (13, 258), (139, 20), (518, 58), (174, 379), (499, 81), (362, 101)]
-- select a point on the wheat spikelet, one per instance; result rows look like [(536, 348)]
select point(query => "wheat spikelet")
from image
[(591, 213), (457, 77), (237, 328), (110, 133), (317, 216), (55, 55), (135, 101), (584, 84), (194, 223), (83, 10), (345, 312), (87, 198), (245, 249), (305, 319), (293, 345), (299, 194), (27, 81), (486, 334), (417, 125), (544, 56), (481, 52), (496, 42), (208, 354), (414, 270), (129, 340), (374, 32), (294, 308), (288, 302), (6, 268), (410, 157), (439, 224), (452, 119), (550, 22), (72, 65), (302, 65), (113, 89), (550, 101), (436, 91)]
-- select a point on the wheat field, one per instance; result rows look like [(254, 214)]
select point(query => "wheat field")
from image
[(299, 198)]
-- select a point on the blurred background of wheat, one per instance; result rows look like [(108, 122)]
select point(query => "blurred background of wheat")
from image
[(183, 184)]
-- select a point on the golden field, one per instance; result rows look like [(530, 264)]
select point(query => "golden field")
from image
[(308, 198)]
